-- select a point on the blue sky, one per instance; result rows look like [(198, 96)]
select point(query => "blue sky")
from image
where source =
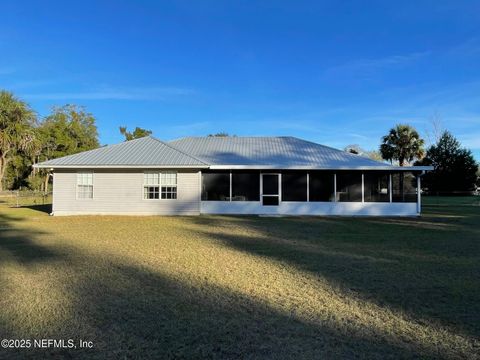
[(334, 72)]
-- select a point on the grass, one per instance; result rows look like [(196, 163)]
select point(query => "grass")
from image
[(244, 287), (25, 198)]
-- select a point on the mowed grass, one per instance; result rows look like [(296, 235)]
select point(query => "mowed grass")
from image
[(244, 287)]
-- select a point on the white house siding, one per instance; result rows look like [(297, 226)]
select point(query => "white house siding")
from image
[(120, 191), (310, 208)]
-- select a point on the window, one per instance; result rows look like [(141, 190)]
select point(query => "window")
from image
[(294, 186), (161, 185), (168, 181), (85, 185), (151, 185), (404, 187), (321, 185), (215, 186), (245, 186), (349, 186), (376, 185)]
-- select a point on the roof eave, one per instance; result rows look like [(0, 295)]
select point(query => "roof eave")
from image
[(295, 167), (146, 166)]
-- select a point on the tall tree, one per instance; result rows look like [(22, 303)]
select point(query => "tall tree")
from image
[(357, 150), (478, 177), (136, 134), (402, 143), (353, 149), (455, 168), (16, 129), (67, 130)]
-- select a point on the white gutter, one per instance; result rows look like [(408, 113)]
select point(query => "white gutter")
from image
[(267, 167), (39, 166), (236, 167)]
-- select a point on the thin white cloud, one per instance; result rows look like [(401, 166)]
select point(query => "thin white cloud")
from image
[(154, 93), (200, 127), (358, 136), (470, 47), (470, 141), (368, 66), (29, 84), (6, 70)]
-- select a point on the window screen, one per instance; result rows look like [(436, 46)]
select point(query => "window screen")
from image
[(349, 186), (270, 184), (404, 187), (246, 186), (215, 186), (270, 200), (376, 186), (321, 186), (294, 186)]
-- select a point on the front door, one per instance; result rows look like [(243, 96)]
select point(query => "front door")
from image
[(270, 189)]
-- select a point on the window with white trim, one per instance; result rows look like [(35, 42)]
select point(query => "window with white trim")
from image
[(169, 185), (161, 185), (151, 185), (85, 185)]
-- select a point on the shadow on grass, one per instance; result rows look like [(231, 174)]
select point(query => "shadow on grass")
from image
[(131, 312), (18, 244), (44, 208), (424, 267)]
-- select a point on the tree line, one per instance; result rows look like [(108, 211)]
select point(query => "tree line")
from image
[(26, 140), (455, 168)]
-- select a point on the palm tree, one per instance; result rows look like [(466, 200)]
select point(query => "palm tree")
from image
[(403, 143), (16, 129)]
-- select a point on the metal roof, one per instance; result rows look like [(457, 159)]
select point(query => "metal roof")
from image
[(146, 151), (221, 153), (283, 152)]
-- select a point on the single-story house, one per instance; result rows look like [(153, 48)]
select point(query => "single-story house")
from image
[(230, 175)]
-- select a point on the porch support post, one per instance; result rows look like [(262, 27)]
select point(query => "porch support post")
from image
[(230, 185), (335, 187), (279, 188), (308, 186), (390, 187), (419, 196), (363, 187)]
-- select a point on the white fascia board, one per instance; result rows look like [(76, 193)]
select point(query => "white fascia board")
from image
[(40, 166), (266, 167)]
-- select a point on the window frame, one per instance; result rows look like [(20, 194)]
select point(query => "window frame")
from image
[(161, 176), (77, 185)]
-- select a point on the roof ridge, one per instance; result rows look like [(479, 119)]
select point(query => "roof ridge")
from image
[(180, 151), (232, 137)]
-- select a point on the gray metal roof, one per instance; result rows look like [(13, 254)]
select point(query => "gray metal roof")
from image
[(273, 153), (146, 151), (220, 153)]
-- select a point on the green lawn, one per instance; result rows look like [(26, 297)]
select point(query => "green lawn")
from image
[(244, 287)]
